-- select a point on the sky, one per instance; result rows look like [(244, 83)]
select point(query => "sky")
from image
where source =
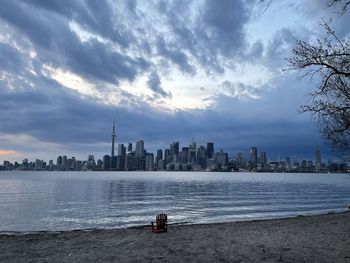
[(165, 70)]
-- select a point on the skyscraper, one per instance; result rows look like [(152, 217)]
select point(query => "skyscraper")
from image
[(159, 155), (130, 147), (210, 150), (140, 148), (254, 155), (263, 158), (106, 162)]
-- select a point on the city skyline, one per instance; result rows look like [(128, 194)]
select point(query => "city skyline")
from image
[(139, 147), (177, 157), (168, 70), (245, 152)]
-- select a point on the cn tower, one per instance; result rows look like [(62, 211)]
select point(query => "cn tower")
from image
[(113, 139)]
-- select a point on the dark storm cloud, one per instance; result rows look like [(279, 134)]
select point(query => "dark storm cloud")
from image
[(175, 55), (95, 16), (280, 47), (154, 84), (57, 45), (222, 25), (217, 32)]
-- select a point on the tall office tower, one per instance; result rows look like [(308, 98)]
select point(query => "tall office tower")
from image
[(192, 152), (159, 155), (73, 163), (106, 162), (263, 159), (113, 139), (174, 148), (318, 159), (202, 157), (149, 163), (167, 158), (210, 150), (58, 163), (240, 160), (183, 155), (254, 155), (121, 157), (64, 162), (140, 148), (121, 149), (129, 147)]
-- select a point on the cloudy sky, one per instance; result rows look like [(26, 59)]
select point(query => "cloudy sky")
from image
[(166, 70)]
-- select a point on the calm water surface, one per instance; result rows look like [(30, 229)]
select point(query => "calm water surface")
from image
[(35, 201)]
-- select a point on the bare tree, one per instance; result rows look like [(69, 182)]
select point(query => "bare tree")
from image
[(344, 5), (328, 60)]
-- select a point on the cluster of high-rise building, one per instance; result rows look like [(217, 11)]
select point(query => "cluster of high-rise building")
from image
[(175, 158)]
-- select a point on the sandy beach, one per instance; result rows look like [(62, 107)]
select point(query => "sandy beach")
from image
[(319, 238)]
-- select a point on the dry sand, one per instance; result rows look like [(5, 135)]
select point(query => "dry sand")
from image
[(321, 238)]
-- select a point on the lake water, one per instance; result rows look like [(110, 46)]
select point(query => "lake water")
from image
[(36, 201)]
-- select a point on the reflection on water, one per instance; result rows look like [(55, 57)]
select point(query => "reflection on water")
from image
[(32, 201)]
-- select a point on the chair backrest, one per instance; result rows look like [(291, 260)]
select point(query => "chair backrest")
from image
[(161, 219)]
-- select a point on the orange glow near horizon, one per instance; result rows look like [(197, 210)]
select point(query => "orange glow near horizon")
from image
[(7, 152)]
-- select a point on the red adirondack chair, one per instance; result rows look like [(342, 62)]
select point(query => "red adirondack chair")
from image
[(161, 224)]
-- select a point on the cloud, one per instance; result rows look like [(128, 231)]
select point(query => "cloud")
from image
[(154, 84), (7, 152), (239, 90), (57, 45)]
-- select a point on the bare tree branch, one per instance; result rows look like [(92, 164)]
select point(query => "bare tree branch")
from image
[(329, 61)]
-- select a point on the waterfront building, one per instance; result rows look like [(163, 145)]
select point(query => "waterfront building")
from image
[(263, 158), (159, 155), (174, 148), (253, 155), (140, 155), (129, 147), (121, 157), (58, 163), (140, 149), (183, 155), (167, 157), (130, 163), (121, 149), (39, 165), (160, 165), (113, 163), (210, 150), (192, 158), (64, 162), (106, 162), (90, 164), (120, 166), (149, 164), (202, 157), (99, 165)]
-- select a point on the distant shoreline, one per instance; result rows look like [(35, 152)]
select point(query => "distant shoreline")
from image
[(162, 171), (316, 238)]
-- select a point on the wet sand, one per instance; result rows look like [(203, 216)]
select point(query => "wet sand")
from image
[(320, 238)]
